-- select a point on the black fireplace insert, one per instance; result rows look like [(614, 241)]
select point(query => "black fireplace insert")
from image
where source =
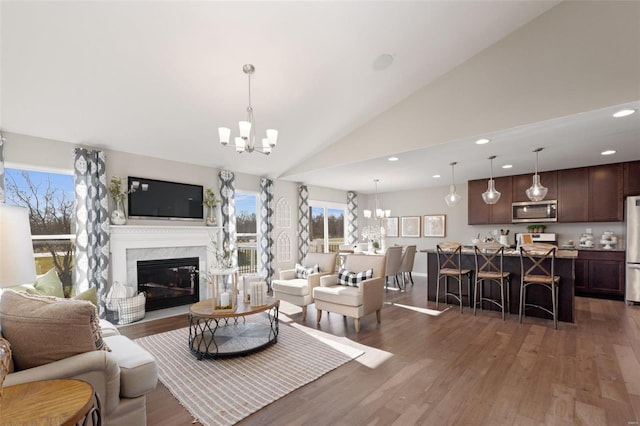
[(169, 282)]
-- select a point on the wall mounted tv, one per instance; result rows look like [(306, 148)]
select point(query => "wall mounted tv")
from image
[(150, 198)]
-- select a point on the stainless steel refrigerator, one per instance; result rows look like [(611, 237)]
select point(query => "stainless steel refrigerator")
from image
[(632, 293)]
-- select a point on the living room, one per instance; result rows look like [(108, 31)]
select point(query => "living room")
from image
[(558, 56)]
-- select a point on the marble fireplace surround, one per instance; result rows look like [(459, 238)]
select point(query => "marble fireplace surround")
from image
[(130, 243)]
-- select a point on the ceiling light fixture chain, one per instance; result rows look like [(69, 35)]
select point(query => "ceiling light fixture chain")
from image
[(452, 198), (536, 192), (491, 195), (246, 142)]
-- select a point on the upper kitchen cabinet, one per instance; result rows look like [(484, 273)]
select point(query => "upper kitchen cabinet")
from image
[(632, 178), (522, 182), (573, 195), (479, 212), (605, 193)]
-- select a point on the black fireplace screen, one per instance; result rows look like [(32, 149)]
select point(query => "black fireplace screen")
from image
[(169, 282)]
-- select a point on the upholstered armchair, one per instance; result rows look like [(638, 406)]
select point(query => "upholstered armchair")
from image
[(360, 297), (294, 289)]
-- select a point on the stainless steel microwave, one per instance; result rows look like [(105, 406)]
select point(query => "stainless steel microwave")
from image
[(535, 211)]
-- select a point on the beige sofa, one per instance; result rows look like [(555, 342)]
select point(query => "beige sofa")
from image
[(121, 378), (354, 302), (299, 291)]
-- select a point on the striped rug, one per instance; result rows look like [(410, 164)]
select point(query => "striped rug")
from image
[(224, 391)]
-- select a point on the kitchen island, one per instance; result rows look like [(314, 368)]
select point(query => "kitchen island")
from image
[(565, 268)]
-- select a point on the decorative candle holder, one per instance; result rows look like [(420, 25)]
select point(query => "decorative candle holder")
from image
[(224, 290), (247, 281), (257, 293)]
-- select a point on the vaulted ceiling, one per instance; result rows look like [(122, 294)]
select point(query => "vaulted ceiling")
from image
[(159, 78)]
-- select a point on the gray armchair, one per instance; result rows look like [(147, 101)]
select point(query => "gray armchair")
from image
[(299, 291), (354, 302)]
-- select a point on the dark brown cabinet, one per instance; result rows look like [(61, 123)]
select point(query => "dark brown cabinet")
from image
[(605, 193), (521, 183), (573, 195), (600, 273), (632, 178), (480, 213)]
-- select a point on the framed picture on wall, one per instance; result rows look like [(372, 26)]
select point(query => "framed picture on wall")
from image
[(390, 225), (434, 225), (411, 226)]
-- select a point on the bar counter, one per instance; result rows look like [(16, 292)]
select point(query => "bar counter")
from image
[(565, 268)]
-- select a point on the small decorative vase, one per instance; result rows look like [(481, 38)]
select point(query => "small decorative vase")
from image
[(212, 218), (370, 247), (118, 216)]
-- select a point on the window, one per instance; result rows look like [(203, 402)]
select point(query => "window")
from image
[(50, 199), (327, 226), (247, 231)]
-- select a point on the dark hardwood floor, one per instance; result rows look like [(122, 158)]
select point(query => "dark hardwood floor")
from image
[(459, 369)]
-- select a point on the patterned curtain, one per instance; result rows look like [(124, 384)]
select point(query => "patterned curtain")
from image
[(266, 230), (352, 217), (92, 223), (228, 209), (303, 221), (2, 193)]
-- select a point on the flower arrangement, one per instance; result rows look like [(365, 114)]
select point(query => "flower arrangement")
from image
[(222, 256), (371, 234), (210, 199), (117, 192)]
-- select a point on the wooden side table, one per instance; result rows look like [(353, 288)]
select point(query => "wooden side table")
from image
[(50, 402)]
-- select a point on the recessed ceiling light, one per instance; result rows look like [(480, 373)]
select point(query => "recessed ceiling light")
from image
[(482, 141), (436, 176), (624, 113), (382, 62), (392, 158), (608, 152), (507, 166)]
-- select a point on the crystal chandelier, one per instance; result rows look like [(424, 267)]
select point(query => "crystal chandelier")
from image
[(536, 191), (491, 196), (452, 198), (379, 212), (246, 140)]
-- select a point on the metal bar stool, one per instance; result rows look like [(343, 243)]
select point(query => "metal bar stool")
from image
[(449, 265), (539, 261), (489, 267)]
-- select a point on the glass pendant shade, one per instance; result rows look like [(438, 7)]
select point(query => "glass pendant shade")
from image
[(491, 196), (452, 198), (239, 144), (536, 192), (245, 129), (367, 214), (225, 134)]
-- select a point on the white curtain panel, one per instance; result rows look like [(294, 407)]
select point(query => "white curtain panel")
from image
[(92, 223), (303, 221), (267, 269), (228, 210), (352, 217), (2, 193)]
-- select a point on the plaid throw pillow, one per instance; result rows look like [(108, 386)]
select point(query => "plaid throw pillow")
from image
[(353, 278), (302, 272)]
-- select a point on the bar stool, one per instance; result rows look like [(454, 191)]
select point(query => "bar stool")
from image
[(449, 265), (540, 261), (491, 270)]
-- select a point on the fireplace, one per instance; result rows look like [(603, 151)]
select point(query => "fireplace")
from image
[(169, 282)]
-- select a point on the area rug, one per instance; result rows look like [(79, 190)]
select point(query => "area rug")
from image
[(224, 391)]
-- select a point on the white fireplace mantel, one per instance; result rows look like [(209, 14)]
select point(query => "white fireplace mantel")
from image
[(125, 237)]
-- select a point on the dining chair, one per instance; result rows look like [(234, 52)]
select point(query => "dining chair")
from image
[(406, 265), (489, 268), (537, 266), (392, 266), (450, 266)]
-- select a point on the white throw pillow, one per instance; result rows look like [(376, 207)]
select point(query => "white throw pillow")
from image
[(131, 309), (118, 291)]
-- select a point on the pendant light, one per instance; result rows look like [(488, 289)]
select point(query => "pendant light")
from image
[(536, 191), (491, 196), (452, 198), (379, 213)]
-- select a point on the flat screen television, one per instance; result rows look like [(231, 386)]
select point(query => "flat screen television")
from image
[(151, 198)]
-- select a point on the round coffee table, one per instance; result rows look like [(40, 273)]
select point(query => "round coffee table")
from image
[(214, 334)]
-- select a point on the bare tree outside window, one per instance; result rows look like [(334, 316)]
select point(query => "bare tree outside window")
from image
[(49, 198)]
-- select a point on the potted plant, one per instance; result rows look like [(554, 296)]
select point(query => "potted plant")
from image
[(118, 195), (536, 228), (211, 202)]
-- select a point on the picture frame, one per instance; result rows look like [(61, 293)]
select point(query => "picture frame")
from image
[(434, 225), (390, 225), (410, 226)]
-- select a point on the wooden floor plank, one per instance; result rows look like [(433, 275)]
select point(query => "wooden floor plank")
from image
[(458, 369)]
